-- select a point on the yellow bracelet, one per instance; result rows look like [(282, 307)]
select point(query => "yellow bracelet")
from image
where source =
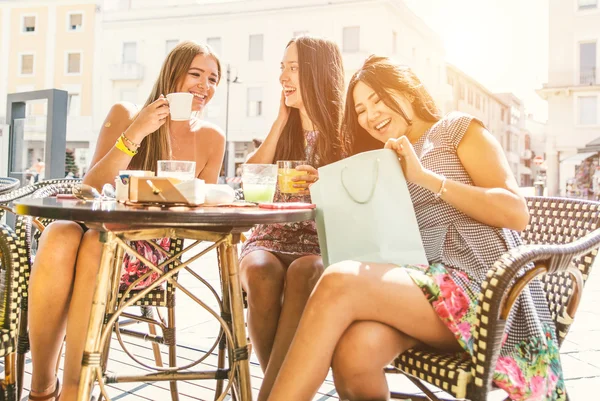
[(123, 148)]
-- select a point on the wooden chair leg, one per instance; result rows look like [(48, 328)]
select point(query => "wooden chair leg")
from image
[(22, 349), (220, 363), (147, 313), (10, 378), (172, 343)]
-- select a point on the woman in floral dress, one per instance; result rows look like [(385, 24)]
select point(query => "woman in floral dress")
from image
[(469, 210), (281, 263), (66, 265)]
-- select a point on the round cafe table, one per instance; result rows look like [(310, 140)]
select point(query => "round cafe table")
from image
[(118, 224)]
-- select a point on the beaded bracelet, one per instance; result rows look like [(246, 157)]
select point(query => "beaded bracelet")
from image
[(442, 189), (129, 141), (123, 147)]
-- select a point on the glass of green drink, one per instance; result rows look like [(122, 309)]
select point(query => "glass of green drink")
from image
[(259, 181)]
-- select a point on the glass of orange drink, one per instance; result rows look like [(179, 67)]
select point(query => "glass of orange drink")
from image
[(286, 170)]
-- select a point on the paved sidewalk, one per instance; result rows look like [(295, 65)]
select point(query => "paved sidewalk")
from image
[(197, 330)]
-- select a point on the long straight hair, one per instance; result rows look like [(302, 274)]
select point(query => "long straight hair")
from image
[(386, 78), (322, 89), (157, 145)]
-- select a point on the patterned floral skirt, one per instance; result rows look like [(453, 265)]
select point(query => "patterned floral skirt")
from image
[(530, 371), (132, 268)]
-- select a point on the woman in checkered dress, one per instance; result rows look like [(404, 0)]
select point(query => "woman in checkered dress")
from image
[(469, 210)]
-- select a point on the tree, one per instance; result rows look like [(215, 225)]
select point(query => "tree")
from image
[(70, 166)]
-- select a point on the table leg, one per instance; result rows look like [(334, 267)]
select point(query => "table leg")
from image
[(240, 353), (225, 314), (91, 361)]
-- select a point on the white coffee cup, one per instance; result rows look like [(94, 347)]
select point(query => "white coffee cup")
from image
[(180, 104)]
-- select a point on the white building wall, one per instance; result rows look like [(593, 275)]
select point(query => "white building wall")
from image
[(568, 27), (151, 24)]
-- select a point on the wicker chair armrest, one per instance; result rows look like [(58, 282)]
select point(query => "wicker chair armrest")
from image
[(503, 284)]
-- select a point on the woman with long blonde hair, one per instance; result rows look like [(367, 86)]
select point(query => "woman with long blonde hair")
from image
[(66, 265)]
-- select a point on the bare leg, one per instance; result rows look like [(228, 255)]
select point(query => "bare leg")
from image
[(362, 353), (50, 289), (350, 292), (301, 277), (88, 262), (262, 275)]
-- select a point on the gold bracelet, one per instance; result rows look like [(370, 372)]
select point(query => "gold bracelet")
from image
[(123, 148), (129, 141)]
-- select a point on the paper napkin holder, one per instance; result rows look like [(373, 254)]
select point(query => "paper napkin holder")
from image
[(164, 190)]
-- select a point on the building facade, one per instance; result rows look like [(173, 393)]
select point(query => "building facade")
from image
[(250, 37), (50, 44), (503, 115), (572, 90)]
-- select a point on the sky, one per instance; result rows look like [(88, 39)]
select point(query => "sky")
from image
[(503, 44)]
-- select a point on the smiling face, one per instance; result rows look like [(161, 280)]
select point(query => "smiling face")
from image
[(200, 80), (375, 117), (290, 77)]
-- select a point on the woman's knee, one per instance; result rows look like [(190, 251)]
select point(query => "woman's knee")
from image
[(339, 281), (59, 244), (262, 271), (63, 232), (304, 272)]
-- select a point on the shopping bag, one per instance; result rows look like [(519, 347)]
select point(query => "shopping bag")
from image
[(365, 213)]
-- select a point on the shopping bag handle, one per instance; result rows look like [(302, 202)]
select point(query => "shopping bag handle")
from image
[(375, 176)]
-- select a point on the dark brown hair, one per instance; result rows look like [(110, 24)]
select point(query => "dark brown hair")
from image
[(322, 88), (385, 78), (157, 145)]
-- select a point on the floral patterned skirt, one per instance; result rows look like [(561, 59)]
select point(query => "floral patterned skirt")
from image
[(530, 371), (132, 268)]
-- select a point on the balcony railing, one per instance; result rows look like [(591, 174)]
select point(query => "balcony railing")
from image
[(126, 72), (587, 77)]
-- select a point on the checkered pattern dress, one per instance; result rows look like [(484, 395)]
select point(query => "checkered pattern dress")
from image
[(460, 251)]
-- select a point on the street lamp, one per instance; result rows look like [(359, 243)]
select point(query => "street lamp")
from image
[(236, 80)]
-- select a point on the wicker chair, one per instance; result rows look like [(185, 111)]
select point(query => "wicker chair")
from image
[(11, 256), (562, 241), (26, 227)]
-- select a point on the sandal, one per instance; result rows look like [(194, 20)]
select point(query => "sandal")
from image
[(53, 395)]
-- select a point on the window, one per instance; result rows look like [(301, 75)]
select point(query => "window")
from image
[(74, 104), (129, 52), (587, 4), (29, 23), (394, 42), (587, 63), (215, 45), (26, 67), (73, 63), (254, 102), (256, 48), (470, 95), (170, 44), (588, 110), (461, 91), (478, 101), (351, 40), (75, 22), (450, 80)]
